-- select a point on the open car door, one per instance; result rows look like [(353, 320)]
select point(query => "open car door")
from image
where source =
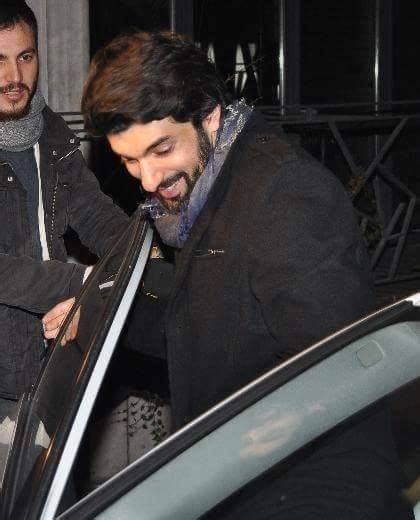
[(53, 416)]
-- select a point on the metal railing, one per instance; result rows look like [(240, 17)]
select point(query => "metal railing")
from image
[(376, 172)]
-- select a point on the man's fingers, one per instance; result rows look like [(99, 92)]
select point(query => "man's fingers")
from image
[(69, 335), (56, 311), (60, 309), (51, 334), (54, 318), (71, 331), (54, 323)]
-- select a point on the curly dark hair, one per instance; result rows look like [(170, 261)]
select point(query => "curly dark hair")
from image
[(13, 12), (149, 76)]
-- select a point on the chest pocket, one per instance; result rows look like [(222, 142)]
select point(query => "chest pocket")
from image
[(206, 289), (207, 274)]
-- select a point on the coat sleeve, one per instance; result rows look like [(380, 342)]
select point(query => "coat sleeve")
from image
[(37, 286), (309, 270), (93, 215)]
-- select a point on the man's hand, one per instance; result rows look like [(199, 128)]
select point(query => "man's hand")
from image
[(55, 317)]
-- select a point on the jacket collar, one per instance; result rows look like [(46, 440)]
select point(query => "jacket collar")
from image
[(57, 140)]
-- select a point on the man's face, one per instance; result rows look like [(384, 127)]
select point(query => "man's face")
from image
[(167, 157), (18, 70)]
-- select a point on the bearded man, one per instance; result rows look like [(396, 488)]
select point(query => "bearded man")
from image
[(45, 187), (269, 260)]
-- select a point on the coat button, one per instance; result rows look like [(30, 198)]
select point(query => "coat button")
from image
[(72, 141), (55, 152), (10, 179)]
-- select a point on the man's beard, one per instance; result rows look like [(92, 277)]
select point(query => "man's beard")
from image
[(177, 203), (15, 114)]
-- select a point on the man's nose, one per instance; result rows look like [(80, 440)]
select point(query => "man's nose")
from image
[(150, 177), (13, 73)]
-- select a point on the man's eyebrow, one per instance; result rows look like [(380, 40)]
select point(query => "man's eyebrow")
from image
[(156, 143), (149, 149), (31, 50)]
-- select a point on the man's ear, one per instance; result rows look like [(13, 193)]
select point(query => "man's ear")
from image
[(211, 122)]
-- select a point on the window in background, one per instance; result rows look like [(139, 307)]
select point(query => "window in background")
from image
[(242, 37)]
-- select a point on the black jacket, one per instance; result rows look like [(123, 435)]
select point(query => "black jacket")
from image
[(275, 262), (71, 198)]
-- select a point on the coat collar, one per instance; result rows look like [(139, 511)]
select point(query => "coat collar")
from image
[(57, 140)]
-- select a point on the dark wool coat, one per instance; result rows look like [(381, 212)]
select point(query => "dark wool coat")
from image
[(71, 198), (275, 262)]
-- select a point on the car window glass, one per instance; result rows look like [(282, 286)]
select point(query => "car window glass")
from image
[(53, 404), (9, 411), (405, 417), (289, 486)]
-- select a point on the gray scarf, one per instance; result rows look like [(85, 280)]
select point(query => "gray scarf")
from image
[(20, 134), (174, 229)]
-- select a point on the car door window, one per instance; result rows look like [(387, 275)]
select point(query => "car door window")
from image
[(57, 409), (9, 411), (405, 408), (264, 493)]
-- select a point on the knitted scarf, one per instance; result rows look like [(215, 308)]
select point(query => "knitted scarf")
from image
[(17, 135), (174, 229)]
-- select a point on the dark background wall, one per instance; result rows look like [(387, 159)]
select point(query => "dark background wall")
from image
[(337, 51), (406, 50), (109, 18)]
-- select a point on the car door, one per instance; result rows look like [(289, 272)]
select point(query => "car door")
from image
[(270, 421), (53, 416)]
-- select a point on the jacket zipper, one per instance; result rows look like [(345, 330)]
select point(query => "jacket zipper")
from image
[(54, 198)]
